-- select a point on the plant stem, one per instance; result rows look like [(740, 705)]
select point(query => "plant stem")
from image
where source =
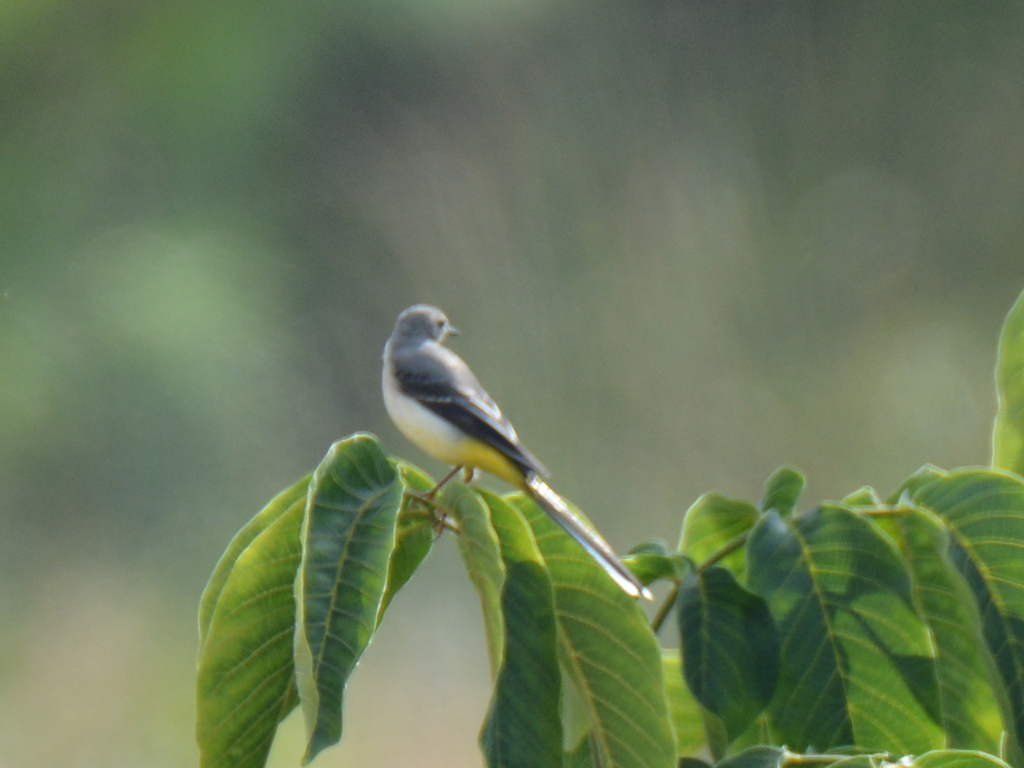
[(726, 550), (433, 511), (670, 600), (665, 609), (795, 758)]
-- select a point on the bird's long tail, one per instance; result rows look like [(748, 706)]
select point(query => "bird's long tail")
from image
[(590, 539)]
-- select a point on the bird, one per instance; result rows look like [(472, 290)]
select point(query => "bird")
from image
[(437, 403)]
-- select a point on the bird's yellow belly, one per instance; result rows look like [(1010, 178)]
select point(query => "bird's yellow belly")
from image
[(442, 440)]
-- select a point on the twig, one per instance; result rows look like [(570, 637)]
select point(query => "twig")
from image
[(666, 607)]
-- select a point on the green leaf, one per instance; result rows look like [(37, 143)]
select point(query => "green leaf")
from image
[(481, 554), (714, 729), (713, 522), (730, 647), (575, 713), (579, 756), (970, 715), (857, 662), (652, 560), (756, 757), (246, 679), (757, 734), (1008, 435), (266, 517), (523, 725), (958, 758), (929, 473), (984, 511), (414, 536), (782, 490), (864, 761), (608, 651), (348, 537), (862, 497), (686, 717)]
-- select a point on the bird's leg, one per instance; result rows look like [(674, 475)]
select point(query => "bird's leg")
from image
[(440, 516), (469, 474), (433, 491)]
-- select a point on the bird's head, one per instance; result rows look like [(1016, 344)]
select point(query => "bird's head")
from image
[(423, 322)]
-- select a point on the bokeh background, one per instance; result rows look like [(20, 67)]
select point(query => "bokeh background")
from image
[(686, 242)]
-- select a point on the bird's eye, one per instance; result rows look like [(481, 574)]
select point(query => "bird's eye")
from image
[(440, 324)]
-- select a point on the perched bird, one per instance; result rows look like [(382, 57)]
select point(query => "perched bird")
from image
[(437, 403)]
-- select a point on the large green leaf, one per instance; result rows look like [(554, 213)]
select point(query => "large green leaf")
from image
[(266, 517), (970, 714), (730, 647), (685, 711), (414, 536), (348, 537), (523, 725), (1008, 435), (857, 663), (246, 679), (984, 511), (481, 554), (608, 651), (713, 522)]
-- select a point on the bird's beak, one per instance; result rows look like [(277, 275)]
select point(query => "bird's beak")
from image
[(452, 330)]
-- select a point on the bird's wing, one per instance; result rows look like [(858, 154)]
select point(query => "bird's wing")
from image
[(439, 380)]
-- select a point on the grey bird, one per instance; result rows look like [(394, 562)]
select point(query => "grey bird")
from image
[(437, 403)]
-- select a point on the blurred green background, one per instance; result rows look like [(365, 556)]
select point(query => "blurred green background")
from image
[(686, 243)]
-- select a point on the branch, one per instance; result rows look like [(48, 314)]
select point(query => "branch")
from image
[(714, 557)]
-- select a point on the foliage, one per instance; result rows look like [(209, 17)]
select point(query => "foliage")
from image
[(1008, 436), (857, 632)]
